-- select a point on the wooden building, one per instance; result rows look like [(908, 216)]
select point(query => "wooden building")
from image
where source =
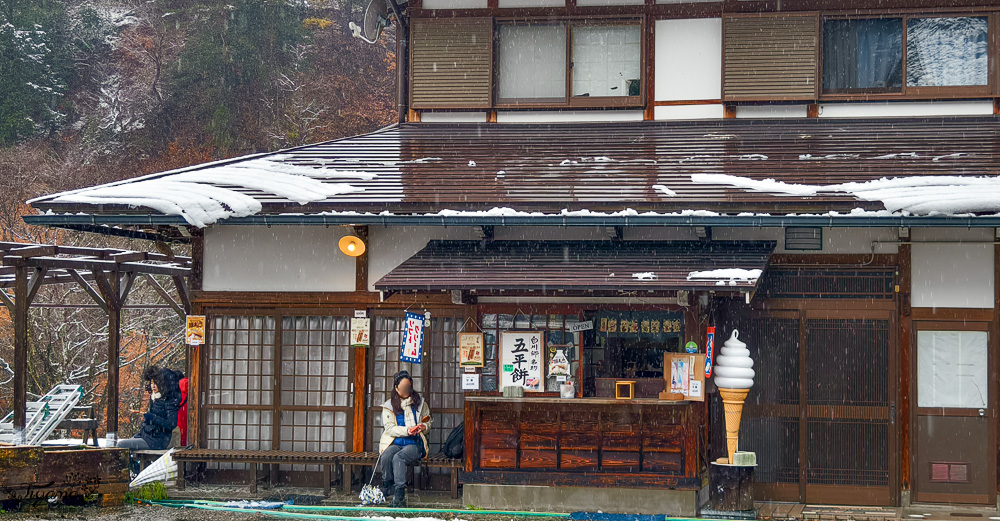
[(562, 164)]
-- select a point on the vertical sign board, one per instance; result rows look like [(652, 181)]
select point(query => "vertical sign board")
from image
[(521, 360), (412, 349), (360, 332), (195, 330), (470, 349), (709, 351)]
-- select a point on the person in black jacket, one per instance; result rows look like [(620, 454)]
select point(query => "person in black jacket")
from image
[(161, 418)]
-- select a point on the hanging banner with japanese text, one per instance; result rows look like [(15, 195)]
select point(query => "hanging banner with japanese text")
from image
[(521, 360), (656, 326), (413, 339)]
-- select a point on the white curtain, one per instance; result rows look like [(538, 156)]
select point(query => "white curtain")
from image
[(606, 60), (532, 61), (946, 52), (952, 369)]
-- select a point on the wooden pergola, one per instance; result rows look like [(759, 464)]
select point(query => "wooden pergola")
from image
[(107, 275)]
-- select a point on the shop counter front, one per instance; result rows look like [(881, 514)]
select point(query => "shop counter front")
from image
[(582, 442)]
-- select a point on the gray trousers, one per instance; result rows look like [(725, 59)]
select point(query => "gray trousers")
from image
[(395, 459), (135, 443)]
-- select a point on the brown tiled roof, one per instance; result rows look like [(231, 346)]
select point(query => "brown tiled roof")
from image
[(428, 167), (576, 265)]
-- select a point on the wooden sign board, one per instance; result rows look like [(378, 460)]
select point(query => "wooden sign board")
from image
[(195, 330), (521, 360), (684, 377), (470, 349)]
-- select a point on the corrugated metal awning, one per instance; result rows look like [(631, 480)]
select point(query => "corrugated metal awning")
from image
[(778, 167), (581, 265)]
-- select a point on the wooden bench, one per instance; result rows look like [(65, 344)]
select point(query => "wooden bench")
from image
[(88, 424), (147, 456), (253, 458), (368, 459)]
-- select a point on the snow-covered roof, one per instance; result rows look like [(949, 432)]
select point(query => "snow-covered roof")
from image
[(927, 166)]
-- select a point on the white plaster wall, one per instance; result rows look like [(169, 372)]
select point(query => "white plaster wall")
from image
[(905, 109), (952, 234), (531, 3), (453, 117), (609, 2), (388, 247), (279, 258), (567, 116), (952, 275), (771, 111), (454, 4), (682, 112), (688, 59)]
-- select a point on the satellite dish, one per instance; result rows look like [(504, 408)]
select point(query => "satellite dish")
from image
[(376, 19)]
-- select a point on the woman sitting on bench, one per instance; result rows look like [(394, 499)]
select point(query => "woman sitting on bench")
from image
[(161, 419), (406, 418)]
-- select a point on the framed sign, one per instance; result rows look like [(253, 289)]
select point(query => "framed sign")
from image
[(195, 330), (521, 360), (360, 331), (470, 349), (412, 349)]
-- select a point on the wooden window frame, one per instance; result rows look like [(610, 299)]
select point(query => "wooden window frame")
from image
[(916, 93), (568, 101)]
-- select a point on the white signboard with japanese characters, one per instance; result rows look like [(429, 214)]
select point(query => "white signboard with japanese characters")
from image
[(521, 360)]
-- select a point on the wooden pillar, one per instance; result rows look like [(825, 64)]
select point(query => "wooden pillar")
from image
[(20, 352), (111, 296), (360, 354), (197, 365)]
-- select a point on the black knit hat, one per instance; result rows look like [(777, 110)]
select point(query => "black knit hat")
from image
[(399, 377)]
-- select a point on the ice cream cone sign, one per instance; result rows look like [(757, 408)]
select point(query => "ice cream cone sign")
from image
[(734, 378)]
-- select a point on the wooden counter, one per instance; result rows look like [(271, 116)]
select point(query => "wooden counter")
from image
[(582, 442)]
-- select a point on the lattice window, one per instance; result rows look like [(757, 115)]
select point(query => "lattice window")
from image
[(241, 375), (437, 378), (315, 385)]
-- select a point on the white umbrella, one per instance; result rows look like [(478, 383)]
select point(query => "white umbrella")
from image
[(163, 469)]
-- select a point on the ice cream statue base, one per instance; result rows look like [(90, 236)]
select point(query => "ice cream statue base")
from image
[(731, 478)]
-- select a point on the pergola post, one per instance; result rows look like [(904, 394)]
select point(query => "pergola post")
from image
[(27, 267), (20, 352), (109, 290)]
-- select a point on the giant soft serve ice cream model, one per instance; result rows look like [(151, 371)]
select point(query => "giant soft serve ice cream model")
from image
[(734, 378)]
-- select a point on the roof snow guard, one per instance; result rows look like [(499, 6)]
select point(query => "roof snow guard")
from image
[(944, 168), (582, 265)]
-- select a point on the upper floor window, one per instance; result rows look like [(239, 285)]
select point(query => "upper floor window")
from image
[(869, 56), (863, 55), (943, 52), (571, 63)]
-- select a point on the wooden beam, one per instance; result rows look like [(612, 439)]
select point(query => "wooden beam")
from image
[(37, 276), (107, 292), (99, 265), (164, 295), (35, 250), (20, 353), (361, 261), (7, 301), (126, 287), (131, 256), (182, 292), (89, 289)]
